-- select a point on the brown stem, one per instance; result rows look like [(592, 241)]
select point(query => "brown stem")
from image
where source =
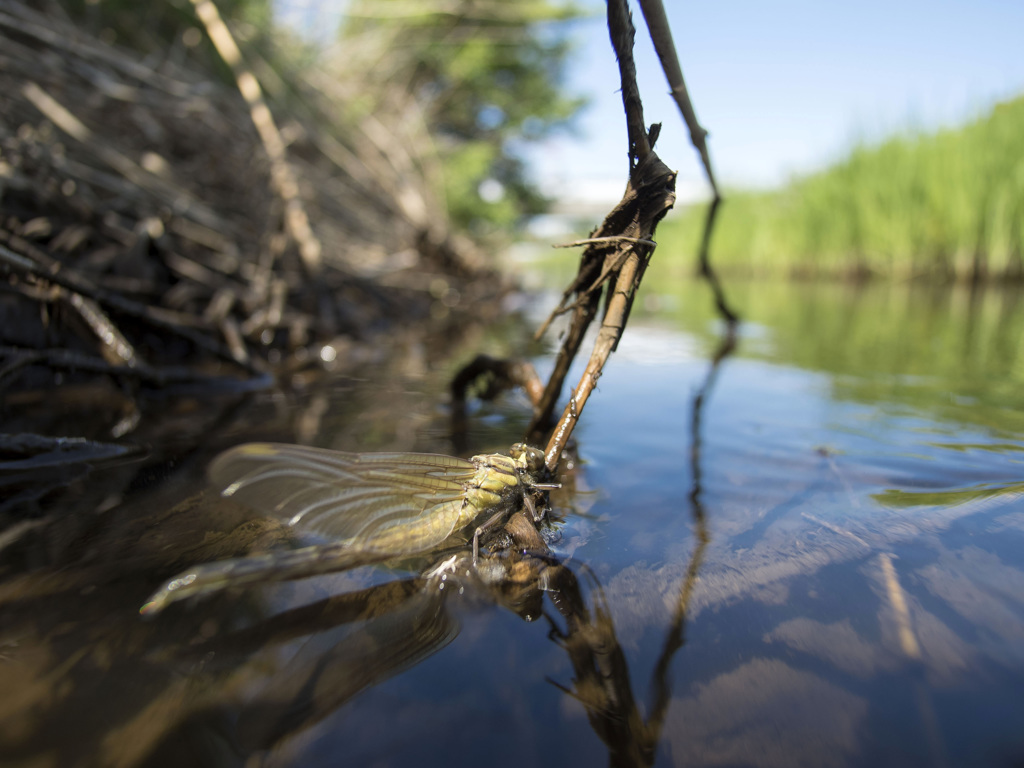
[(617, 252), (621, 257), (282, 175), (661, 36), (706, 270), (622, 32)]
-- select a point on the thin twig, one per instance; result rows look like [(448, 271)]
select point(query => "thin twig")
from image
[(612, 239), (661, 36), (622, 32), (296, 220), (611, 266), (708, 272), (116, 349), (617, 258)]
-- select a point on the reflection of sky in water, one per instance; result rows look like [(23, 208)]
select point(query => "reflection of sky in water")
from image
[(852, 545), (860, 601)]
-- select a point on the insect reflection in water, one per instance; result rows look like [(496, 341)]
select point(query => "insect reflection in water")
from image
[(370, 507)]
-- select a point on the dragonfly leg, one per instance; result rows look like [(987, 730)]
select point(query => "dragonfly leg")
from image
[(482, 529), (531, 507)]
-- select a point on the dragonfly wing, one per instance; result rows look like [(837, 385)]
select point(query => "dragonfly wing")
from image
[(358, 497)]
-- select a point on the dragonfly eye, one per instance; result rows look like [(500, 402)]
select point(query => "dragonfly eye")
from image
[(530, 459)]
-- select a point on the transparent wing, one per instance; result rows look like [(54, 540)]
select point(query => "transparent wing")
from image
[(358, 497)]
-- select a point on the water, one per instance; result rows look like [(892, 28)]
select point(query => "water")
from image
[(833, 577)]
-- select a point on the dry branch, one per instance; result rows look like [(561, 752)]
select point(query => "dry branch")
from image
[(149, 213), (661, 36), (283, 177), (616, 256)]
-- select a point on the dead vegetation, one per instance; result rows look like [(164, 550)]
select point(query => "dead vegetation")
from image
[(141, 236)]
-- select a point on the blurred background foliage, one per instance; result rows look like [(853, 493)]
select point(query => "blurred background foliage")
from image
[(474, 80), (448, 93), (488, 76), (166, 28)]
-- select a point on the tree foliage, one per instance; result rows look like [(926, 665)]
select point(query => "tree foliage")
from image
[(489, 76), (484, 77)]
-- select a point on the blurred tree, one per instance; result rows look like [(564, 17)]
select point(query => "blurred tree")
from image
[(457, 86), (488, 76)]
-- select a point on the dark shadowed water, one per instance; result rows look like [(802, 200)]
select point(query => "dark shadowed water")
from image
[(824, 568)]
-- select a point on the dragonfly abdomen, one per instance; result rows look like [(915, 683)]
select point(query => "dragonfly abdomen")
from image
[(370, 507)]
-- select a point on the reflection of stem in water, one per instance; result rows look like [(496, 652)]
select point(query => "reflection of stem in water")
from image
[(709, 274), (675, 638), (601, 674), (602, 682)]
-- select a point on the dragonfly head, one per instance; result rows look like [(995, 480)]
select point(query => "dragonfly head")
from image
[(531, 462), (527, 458)]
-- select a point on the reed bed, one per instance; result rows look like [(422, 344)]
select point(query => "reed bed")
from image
[(947, 206)]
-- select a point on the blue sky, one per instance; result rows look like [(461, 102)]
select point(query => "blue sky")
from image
[(789, 86), (784, 87)]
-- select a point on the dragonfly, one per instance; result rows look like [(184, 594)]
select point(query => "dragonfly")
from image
[(369, 507)]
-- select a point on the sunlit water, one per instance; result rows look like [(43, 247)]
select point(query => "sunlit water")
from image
[(858, 598)]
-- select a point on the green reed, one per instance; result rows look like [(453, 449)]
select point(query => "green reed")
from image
[(946, 205)]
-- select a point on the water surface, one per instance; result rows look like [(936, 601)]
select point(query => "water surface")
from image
[(825, 568)]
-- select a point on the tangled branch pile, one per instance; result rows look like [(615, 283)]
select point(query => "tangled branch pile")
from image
[(140, 234)]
